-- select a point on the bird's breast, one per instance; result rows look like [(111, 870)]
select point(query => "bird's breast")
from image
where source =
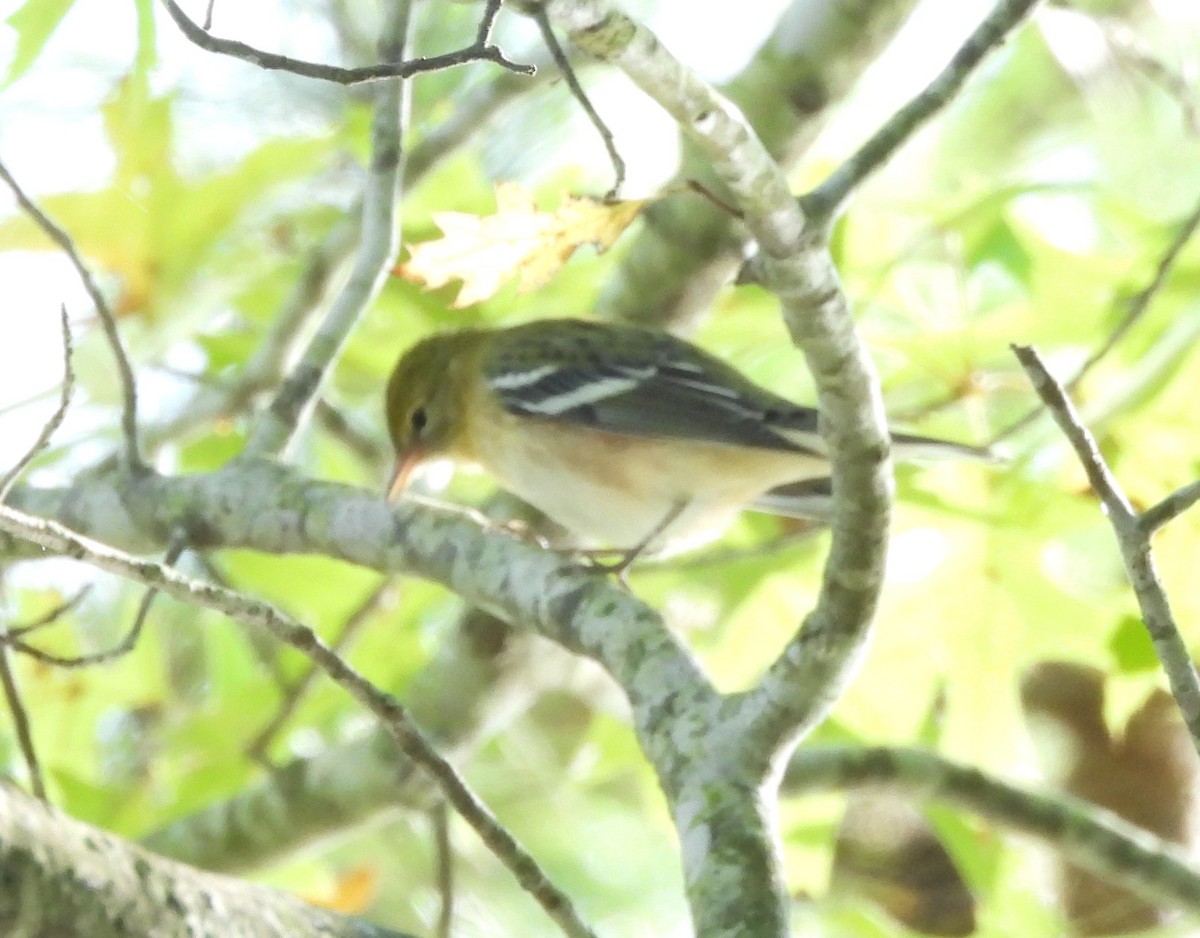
[(613, 489)]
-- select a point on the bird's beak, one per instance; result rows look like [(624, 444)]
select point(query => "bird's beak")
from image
[(405, 464)]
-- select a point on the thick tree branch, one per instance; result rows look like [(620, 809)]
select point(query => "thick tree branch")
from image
[(690, 248), (1133, 538), (262, 506), (63, 877), (52, 536), (716, 794), (798, 269), (1091, 837)]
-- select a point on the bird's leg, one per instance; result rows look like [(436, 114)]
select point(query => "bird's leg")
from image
[(621, 567)]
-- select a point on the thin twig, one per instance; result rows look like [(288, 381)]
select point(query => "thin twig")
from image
[(9, 479), (1138, 304), (696, 186), (476, 52), (443, 849), (29, 401), (542, 18), (383, 592), (483, 35), (1175, 84), (108, 320), (825, 200), (1133, 538), (49, 618), (20, 718), (1170, 507), (208, 15), (123, 647), (264, 648), (389, 711), (338, 425)]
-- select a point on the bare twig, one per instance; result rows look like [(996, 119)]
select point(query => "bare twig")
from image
[(439, 819), (48, 429), (337, 425), (133, 458), (1138, 304), (20, 716), (28, 401), (568, 72), (825, 200), (123, 647), (49, 618), (1133, 538), (483, 35), (208, 15), (389, 711), (1170, 507), (480, 51), (383, 592)]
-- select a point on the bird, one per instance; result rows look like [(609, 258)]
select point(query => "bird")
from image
[(630, 438)]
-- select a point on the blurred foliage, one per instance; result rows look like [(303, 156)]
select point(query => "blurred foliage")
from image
[(1031, 212)]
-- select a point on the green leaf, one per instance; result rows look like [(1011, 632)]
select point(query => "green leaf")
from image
[(34, 24), (1131, 646), (1001, 246)]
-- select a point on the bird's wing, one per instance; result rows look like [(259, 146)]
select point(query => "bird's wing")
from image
[(666, 389)]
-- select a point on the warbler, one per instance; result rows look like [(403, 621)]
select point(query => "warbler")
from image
[(630, 438)]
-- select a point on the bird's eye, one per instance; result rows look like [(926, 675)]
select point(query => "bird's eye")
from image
[(419, 419)]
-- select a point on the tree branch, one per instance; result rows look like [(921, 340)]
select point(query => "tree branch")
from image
[(482, 669), (825, 200), (1093, 838), (63, 877), (689, 249), (378, 243), (1133, 538), (19, 712), (480, 51), (568, 73), (53, 536), (1170, 508), (717, 799), (129, 424), (50, 426), (1137, 307)]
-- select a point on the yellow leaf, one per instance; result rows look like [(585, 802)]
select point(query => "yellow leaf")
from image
[(352, 893), (518, 241)]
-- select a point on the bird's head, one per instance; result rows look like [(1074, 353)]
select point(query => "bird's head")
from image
[(424, 406)]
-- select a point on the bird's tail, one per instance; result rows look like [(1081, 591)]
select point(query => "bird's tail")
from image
[(812, 499), (906, 446)]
